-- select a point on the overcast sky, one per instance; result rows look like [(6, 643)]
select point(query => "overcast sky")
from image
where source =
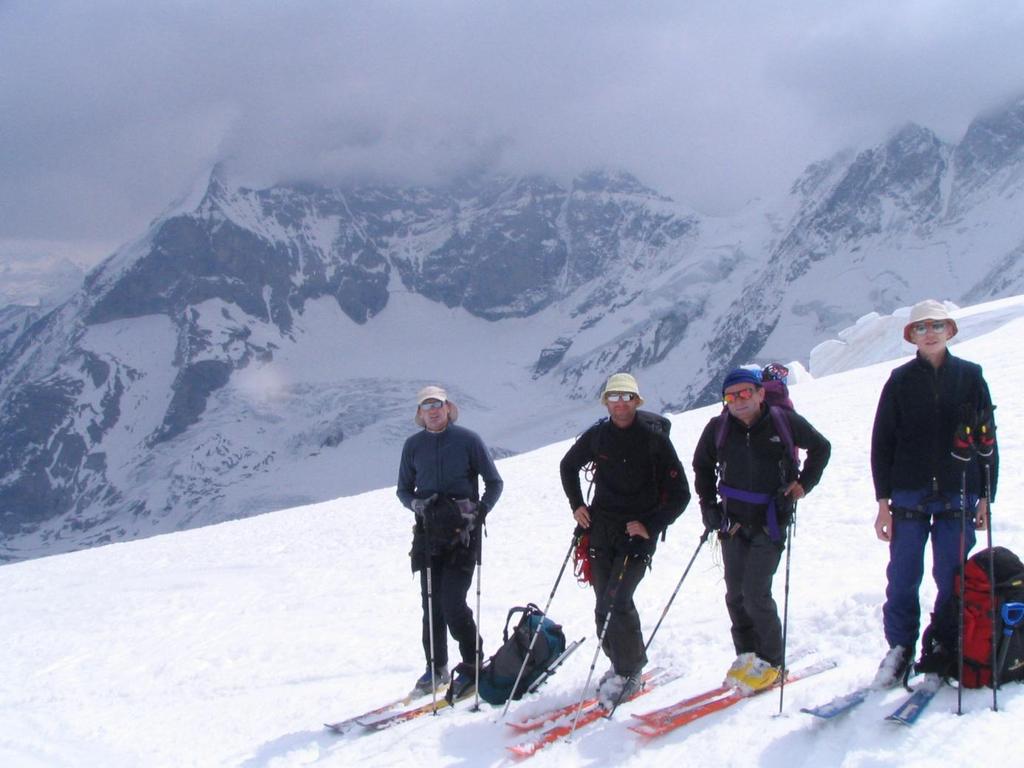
[(111, 110)]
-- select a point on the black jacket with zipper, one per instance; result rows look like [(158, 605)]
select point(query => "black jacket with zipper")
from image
[(918, 414), (754, 459)]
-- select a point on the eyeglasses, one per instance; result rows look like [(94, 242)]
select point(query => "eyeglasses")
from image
[(430, 405), (743, 394), (620, 396), (920, 329)]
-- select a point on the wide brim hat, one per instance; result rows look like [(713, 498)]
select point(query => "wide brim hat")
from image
[(929, 309), (621, 382), (434, 393)]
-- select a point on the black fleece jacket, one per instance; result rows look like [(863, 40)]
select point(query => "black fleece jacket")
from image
[(754, 459), (918, 413), (639, 476)]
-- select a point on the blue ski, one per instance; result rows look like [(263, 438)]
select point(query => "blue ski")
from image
[(911, 709), (839, 704)]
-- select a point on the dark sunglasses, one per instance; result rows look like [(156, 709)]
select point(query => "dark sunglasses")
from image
[(431, 405), (743, 394), (623, 396), (920, 329)]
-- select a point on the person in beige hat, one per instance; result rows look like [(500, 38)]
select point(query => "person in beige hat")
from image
[(922, 454), (438, 479), (639, 490)]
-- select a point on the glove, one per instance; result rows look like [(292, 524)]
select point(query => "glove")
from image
[(963, 436), (468, 509), (985, 434), (712, 516), (419, 506), (638, 548)]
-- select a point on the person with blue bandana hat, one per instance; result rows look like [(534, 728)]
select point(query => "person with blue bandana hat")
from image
[(748, 482)]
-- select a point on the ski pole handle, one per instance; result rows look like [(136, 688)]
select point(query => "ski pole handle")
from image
[(1013, 614)]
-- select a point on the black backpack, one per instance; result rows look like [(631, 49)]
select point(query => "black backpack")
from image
[(498, 674), (939, 643)]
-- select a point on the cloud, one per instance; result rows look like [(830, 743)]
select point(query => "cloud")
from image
[(113, 109)]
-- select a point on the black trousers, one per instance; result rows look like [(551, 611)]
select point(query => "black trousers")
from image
[(623, 641), (450, 585), (751, 559)]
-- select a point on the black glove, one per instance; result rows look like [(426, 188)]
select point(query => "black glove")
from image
[(420, 505), (638, 548), (712, 516), (963, 436), (985, 434)]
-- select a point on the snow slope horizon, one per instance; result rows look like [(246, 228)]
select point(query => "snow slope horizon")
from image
[(230, 644)]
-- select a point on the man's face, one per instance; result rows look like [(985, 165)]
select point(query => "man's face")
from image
[(435, 414), (744, 401), (621, 407), (930, 336)]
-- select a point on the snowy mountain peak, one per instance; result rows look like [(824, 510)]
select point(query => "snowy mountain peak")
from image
[(256, 335)]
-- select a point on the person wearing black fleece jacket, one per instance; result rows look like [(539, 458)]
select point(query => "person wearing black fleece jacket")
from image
[(639, 490), (917, 475)]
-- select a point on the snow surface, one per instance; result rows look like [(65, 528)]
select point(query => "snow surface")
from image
[(230, 645)]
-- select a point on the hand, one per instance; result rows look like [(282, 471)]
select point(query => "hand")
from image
[(981, 515), (638, 547), (883, 522), (637, 529), (795, 491), (469, 510), (712, 516), (582, 516), (419, 506)]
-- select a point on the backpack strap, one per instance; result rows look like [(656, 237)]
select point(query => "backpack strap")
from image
[(785, 432), (525, 610)]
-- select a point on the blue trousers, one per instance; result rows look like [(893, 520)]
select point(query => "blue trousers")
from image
[(901, 614)]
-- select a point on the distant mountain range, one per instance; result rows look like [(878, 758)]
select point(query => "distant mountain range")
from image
[(258, 349)]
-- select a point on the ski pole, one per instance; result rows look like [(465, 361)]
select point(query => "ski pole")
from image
[(785, 605), (612, 592), (992, 589), (960, 618), (576, 534), (647, 645), (476, 629), (428, 565)]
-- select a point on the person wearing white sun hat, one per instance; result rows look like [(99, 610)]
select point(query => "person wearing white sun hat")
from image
[(438, 479), (639, 490), (928, 474)]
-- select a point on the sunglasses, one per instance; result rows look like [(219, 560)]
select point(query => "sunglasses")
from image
[(431, 405), (743, 394), (625, 397), (920, 329)]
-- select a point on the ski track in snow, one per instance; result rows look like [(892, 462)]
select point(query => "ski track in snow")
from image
[(230, 645)]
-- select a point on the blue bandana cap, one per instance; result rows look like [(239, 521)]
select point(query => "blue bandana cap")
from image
[(742, 376)]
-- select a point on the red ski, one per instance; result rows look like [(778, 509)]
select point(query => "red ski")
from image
[(533, 722), (667, 719), (592, 712)]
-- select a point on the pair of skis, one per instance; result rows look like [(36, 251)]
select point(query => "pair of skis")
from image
[(906, 713), (559, 721), (655, 723), (667, 719), (398, 711)]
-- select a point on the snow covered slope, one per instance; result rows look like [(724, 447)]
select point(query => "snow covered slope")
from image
[(230, 645)]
